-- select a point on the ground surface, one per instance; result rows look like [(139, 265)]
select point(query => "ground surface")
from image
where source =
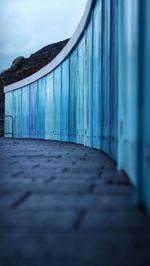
[(66, 205)]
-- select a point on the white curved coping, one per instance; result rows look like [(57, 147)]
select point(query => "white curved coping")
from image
[(60, 57)]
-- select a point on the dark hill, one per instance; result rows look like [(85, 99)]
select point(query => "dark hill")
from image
[(24, 67)]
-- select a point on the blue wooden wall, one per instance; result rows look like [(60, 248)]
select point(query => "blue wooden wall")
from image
[(99, 96)]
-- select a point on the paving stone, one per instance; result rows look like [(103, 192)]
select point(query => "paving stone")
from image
[(33, 221), (77, 249), (7, 200), (88, 201), (102, 188), (68, 187), (63, 204), (115, 221)]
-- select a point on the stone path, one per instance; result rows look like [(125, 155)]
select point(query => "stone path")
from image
[(66, 205)]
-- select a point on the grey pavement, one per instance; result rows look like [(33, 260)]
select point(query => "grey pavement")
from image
[(63, 204)]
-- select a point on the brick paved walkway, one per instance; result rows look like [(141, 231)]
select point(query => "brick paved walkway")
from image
[(66, 205)]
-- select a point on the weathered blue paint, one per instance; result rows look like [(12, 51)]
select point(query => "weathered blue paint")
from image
[(42, 84), (25, 117), (72, 96), (57, 102), (96, 90), (114, 80), (98, 94), (9, 111), (65, 101), (144, 105), (88, 86), (33, 110), (17, 113), (105, 96), (81, 84), (129, 88), (120, 82), (48, 108)]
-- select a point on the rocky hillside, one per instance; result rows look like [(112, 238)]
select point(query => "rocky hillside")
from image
[(24, 67)]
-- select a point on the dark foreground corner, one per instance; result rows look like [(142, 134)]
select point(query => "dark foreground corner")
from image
[(66, 205)]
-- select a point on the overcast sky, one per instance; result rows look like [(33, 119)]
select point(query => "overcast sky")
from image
[(28, 25)]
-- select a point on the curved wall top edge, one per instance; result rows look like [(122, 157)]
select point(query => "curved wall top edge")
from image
[(60, 57)]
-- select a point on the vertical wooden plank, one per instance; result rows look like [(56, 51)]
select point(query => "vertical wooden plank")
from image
[(88, 87), (106, 77), (78, 98), (25, 112), (41, 108), (96, 118), (72, 96), (9, 111), (49, 108), (52, 105), (57, 100), (128, 112), (17, 113), (144, 106), (114, 81), (81, 84), (33, 110), (120, 82), (65, 101)]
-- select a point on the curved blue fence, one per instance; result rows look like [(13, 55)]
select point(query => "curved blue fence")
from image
[(96, 92)]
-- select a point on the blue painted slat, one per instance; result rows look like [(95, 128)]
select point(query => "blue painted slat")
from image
[(81, 84), (96, 90), (65, 101), (88, 86), (128, 97), (42, 83), (9, 111), (72, 96), (120, 82), (57, 101), (17, 113), (51, 84), (49, 107), (33, 109), (144, 108), (106, 77), (25, 112), (114, 81)]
